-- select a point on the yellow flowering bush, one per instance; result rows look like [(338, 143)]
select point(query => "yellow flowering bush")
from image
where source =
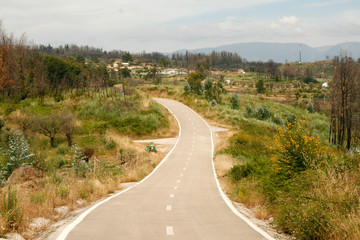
[(296, 149)]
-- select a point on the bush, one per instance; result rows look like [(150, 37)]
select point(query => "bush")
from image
[(260, 88), (278, 120), (17, 154), (234, 101), (290, 119), (78, 161), (263, 113), (296, 150), (239, 172), (250, 111), (310, 107)]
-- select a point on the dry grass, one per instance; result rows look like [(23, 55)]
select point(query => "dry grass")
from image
[(260, 212)]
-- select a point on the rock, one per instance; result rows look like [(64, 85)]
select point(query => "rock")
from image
[(23, 174), (63, 210), (14, 236), (81, 202), (39, 223)]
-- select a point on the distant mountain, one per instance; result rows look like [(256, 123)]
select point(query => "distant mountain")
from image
[(283, 52)]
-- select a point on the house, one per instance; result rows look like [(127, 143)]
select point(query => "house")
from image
[(228, 81), (241, 71), (325, 85)]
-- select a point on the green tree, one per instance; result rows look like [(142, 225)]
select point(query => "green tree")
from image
[(260, 87), (234, 101), (127, 57), (194, 81)]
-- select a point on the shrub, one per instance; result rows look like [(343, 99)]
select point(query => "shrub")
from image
[(310, 107), (17, 154), (290, 119), (250, 111), (260, 88), (238, 172), (278, 120), (213, 103), (296, 150), (187, 89), (263, 113), (78, 161), (234, 101)]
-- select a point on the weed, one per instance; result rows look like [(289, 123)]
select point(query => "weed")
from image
[(37, 198), (10, 209), (62, 191)]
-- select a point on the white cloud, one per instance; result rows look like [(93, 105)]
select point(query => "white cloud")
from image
[(166, 25), (326, 3)]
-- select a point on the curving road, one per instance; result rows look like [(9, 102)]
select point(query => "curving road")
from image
[(180, 200)]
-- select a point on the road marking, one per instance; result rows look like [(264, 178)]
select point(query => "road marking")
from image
[(181, 175), (189, 158), (168, 207), (172, 195), (178, 181), (184, 168), (187, 163), (175, 187), (190, 154), (169, 230)]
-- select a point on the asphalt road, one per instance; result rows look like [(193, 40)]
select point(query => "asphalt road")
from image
[(180, 200)]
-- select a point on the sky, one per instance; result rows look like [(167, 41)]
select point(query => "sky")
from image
[(169, 25)]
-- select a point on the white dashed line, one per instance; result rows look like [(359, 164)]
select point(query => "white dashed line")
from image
[(172, 195), (175, 187), (169, 230), (181, 175), (178, 181), (184, 168), (168, 207), (187, 163)]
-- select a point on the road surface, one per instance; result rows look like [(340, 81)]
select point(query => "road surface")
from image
[(180, 200)]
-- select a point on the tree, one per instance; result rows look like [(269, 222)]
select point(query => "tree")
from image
[(124, 74), (310, 107), (344, 91), (260, 88), (68, 126), (6, 83), (234, 101), (50, 126), (194, 81), (127, 57)]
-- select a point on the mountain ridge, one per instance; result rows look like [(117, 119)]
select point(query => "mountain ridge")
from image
[(282, 52)]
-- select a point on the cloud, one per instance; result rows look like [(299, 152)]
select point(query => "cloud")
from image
[(166, 25), (326, 3)]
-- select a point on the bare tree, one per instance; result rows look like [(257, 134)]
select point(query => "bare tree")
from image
[(344, 100)]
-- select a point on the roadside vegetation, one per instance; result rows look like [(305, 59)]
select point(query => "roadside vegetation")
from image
[(282, 157), (69, 115)]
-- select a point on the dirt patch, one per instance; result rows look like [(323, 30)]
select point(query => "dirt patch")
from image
[(24, 174)]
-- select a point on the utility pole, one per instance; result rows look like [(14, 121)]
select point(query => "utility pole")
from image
[(300, 54)]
